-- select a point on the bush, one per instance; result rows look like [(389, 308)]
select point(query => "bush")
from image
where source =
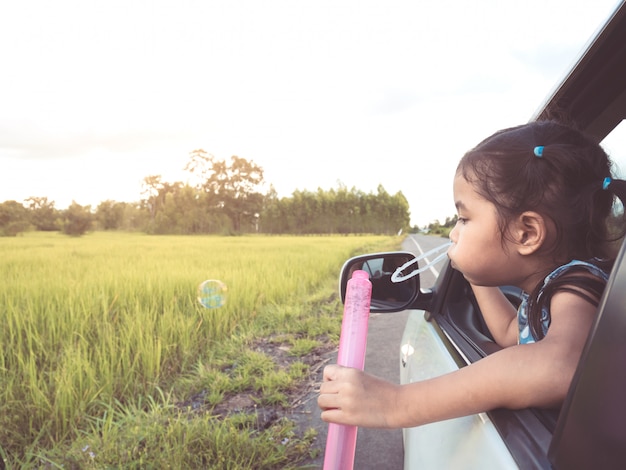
[(77, 219)]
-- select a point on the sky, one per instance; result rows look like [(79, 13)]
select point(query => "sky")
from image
[(96, 96)]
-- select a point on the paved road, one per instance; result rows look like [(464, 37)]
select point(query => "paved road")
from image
[(376, 448)]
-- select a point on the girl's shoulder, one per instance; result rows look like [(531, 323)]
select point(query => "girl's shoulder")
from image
[(585, 279), (596, 268)]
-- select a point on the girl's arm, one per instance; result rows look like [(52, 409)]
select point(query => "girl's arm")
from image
[(536, 374), (499, 314)]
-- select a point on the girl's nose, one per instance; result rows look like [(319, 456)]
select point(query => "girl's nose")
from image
[(453, 235)]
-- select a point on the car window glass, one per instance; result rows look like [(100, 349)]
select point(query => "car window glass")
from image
[(373, 267), (615, 146)]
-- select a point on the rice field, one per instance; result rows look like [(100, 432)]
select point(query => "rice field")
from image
[(98, 326)]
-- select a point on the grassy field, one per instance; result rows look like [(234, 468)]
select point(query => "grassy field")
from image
[(109, 360)]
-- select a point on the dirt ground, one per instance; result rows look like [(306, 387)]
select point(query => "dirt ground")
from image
[(375, 448)]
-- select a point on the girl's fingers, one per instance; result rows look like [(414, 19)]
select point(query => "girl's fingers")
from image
[(327, 401), (332, 372), (331, 416)]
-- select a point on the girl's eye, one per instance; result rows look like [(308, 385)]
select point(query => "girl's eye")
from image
[(461, 220)]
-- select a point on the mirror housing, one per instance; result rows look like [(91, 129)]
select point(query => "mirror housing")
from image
[(387, 296)]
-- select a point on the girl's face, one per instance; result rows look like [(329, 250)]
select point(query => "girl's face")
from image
[(478, 250)]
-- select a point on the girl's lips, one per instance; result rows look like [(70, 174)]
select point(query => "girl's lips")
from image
[(452, 263), (450, 257)]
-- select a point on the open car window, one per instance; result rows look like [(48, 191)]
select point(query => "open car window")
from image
[(614, 146)]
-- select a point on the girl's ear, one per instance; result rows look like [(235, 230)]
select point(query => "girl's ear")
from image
[(529, 232)]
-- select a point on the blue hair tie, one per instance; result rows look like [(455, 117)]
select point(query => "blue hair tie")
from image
[(538, 151), (606, 183)]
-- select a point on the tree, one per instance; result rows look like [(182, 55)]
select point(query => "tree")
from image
[(110, 214), (201, 164), (151, 187), (14, 218), (231, 188), (43, 214), (77, 219), (335, 211), (437, 228)]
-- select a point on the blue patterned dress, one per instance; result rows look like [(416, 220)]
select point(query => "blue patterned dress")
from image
[(525, 334)]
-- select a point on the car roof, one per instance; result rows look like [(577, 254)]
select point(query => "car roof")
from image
[(593, 93)]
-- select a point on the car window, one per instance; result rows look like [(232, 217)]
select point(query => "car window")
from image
[(373, 267), (615, 146)]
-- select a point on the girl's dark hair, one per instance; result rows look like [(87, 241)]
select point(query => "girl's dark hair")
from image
[(564, 184)]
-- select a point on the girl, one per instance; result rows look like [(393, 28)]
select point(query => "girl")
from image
[(533, 205)]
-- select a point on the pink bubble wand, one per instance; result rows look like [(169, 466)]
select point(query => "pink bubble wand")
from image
[(341, 439)]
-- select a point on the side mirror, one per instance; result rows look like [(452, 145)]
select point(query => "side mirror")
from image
[(387, 295)]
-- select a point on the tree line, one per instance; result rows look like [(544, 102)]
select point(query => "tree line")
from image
[(226, 197)]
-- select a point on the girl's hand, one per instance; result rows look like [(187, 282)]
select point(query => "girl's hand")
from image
[(499, 314), (352, 397)]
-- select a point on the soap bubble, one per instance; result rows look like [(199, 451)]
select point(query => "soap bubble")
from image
[(212, 293)]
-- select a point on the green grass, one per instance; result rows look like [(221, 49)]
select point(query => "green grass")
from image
[(103, 339)]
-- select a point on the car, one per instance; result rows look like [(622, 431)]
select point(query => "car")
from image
[(445, 330)]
